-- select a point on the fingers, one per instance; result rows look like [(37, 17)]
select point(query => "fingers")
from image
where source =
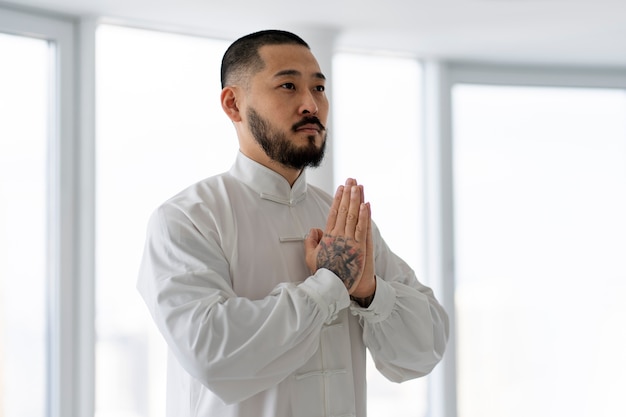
[(364, 292), (353, 212), (345, 210), (363, 225), (342, 247)]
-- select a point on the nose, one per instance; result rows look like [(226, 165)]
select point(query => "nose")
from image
[(309, 104)]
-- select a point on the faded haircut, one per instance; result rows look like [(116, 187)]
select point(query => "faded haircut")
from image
[(242, 58)]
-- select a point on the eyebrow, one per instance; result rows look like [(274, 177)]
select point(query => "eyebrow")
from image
[(292, 72)]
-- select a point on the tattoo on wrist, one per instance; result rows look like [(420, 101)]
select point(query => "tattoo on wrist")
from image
[(341, 256)]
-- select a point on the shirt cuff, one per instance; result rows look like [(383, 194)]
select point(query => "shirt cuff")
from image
[(328, 292), (381, 306)]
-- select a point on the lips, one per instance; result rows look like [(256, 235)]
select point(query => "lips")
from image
[(309, 128), (310, 124)]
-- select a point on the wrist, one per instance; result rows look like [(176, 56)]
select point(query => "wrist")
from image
[(363, 302), (365, 296)]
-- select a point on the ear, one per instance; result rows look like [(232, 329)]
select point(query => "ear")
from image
[(229, 99)]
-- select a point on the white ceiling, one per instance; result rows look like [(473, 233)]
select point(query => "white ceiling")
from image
[(546, 32)]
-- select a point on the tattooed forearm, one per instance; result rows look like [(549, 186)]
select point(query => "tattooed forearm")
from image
[(341, 256)]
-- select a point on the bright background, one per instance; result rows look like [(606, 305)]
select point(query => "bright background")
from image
[(539, 227)]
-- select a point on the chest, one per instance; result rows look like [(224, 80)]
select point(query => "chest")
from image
[(265, 246)]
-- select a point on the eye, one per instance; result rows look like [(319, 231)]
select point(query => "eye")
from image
[(288, 86), (320, 88)]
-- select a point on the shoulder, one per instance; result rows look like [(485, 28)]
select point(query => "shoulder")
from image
[(207, 191), (200, 199)]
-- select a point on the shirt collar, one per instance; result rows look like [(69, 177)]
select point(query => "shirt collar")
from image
[(269, 184)]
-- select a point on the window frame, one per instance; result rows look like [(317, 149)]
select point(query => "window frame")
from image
[(440, 79), (68, 358)]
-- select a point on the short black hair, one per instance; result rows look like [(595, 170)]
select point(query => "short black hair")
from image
[(243, 55)]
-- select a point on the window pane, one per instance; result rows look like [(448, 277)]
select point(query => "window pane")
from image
[(23, 226), (160, 129), (380, 145), (540, 241)]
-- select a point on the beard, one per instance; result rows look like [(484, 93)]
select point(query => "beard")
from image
[(279, 148)]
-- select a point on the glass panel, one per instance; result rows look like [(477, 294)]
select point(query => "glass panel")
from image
[(160, 129), (380, 145), (540, 243), (24, 74)]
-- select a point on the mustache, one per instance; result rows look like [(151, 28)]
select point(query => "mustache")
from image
[(308, 121)]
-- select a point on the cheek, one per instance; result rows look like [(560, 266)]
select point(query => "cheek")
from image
[(274, 110), (323, 109)]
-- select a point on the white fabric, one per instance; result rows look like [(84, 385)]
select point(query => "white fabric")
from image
[(250, 332)]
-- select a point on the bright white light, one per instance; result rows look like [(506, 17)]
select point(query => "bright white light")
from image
[(540, 243), (160, 128), (376, 136), (23, 228)]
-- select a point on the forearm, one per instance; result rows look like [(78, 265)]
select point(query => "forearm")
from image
[(238, 347), (405, 329)]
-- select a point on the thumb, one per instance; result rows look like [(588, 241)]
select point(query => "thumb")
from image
[(313, 238), (310, 249)]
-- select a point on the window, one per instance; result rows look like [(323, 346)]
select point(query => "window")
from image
[(37, 278), (380, 145), (160, 129), (143, 77), (24, 264), (540, 236), (538, 192)]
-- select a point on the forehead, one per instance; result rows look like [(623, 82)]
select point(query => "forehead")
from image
[(289, 59)]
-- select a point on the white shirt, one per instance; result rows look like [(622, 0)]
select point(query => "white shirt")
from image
[(249, 330)]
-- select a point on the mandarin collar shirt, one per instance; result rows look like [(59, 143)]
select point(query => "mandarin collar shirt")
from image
[(250, 331)]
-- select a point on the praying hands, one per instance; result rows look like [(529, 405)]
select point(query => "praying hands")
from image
[(345, 247)]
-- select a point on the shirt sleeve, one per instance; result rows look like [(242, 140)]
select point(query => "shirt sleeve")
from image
[(405, 328), (235, 346)]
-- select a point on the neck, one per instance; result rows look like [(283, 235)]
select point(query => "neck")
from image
[(290, 174)]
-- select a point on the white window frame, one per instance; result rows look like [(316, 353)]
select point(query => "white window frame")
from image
[(440, 78), (70, 300)]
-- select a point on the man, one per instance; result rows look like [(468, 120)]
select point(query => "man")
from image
[(265, 313)]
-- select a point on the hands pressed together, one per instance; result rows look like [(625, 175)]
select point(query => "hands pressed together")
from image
[(345, 247)]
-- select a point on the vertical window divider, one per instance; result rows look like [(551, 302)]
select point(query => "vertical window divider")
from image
[(62, 239), (84, 399), (68, 379), (439, 227)]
